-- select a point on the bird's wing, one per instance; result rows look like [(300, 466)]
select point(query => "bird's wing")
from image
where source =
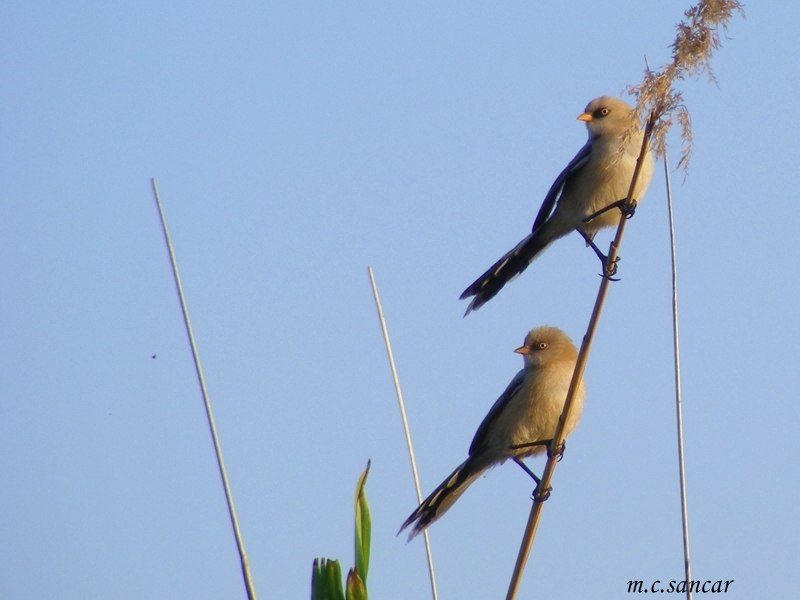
[(481, 436), (574, 166)]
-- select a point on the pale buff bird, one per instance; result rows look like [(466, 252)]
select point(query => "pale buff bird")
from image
[(526, 413), (598, 176)]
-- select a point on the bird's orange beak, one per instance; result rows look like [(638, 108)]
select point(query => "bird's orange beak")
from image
[(585, 117), (523, 350)]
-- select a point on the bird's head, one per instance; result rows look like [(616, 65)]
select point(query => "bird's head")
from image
[(544, 344), (607, 116)]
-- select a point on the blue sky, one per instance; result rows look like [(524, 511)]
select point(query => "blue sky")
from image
[(294, 145)]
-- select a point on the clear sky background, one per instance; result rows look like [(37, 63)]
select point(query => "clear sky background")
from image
[(294, 145)]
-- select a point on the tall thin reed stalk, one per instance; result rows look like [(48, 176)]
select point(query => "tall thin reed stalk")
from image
[(406, 429), (248, 580), (676, 347)]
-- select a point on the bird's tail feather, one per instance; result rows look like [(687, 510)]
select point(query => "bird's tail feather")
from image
[(443, 496), (514, 262)]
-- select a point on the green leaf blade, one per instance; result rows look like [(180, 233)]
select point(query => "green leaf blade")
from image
[(363, 531)]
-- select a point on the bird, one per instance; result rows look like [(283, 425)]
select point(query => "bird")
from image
[(521, 423), (598, 177)]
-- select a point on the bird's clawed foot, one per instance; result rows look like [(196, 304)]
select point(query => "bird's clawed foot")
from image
[(610, 270), (540, 495), (557, 452), (628, 210)]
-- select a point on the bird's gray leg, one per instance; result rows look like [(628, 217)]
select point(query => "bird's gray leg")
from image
[(530, 444), (608, 271), (527, 470), (590, 242), (538, 495), (626, 209), (559, 452)]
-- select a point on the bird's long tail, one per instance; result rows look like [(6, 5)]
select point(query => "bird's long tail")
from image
[(514, 262), (444, 496)]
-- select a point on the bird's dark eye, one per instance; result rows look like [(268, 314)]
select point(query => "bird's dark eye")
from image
[(600, 112), (542, 345)]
